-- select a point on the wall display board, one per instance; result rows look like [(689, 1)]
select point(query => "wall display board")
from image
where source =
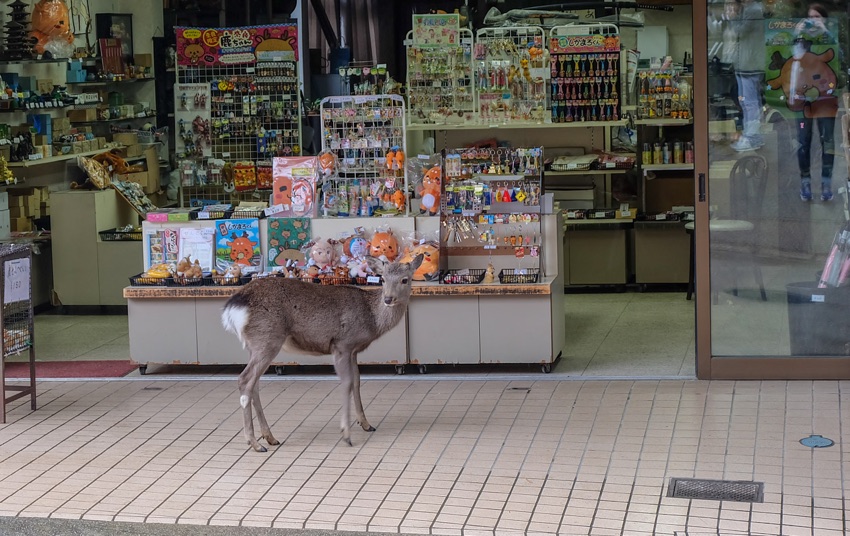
[(363, 156), (237, 106), (585, 68)]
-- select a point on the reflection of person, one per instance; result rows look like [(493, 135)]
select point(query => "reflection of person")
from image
[(745, 50), (813, 29)]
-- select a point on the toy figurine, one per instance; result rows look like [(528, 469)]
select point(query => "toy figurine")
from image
[(430, 193), (323, 255), (429, 270), (489, 274), (385, 245)]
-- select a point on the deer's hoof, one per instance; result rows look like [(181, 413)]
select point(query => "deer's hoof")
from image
[(259, 448), (272, 441), (370, 429), (348, 441)]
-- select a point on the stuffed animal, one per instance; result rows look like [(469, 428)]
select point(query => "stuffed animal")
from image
[(384, 244), (188, 270), (429, 270), (323, 255), (489, 274), (51, 22), (231, 275), (430, 193)]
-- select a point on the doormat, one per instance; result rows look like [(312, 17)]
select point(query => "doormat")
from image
[(71, 369)]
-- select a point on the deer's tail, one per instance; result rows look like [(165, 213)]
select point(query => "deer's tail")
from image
[(234, 317)]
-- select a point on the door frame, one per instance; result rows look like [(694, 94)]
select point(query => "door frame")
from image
[(709, 367)]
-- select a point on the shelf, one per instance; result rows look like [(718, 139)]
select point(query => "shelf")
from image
[(667, 167), (54, 159), (514, 126), (109, 82), (113, 120), (35, 62), (586, 172), (664, 122), (34, 110)]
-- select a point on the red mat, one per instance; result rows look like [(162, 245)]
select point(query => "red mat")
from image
[(71, 369)]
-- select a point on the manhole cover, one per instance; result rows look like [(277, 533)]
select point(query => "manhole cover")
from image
[(817, 442), (716, 490)]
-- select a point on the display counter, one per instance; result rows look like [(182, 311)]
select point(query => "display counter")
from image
[(496, 323)]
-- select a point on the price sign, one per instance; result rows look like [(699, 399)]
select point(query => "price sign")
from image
[(17, 283)]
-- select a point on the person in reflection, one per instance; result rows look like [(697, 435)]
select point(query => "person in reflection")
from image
[(817, 90), (744, 46)]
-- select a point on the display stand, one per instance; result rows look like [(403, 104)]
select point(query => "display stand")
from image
[(235, 111), (439, 81), (16, 317), (511, 75), (366, 136)]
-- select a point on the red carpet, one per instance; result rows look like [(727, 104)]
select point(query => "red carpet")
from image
[(71, 369)]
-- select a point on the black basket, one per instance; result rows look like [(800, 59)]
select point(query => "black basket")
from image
[(114, 235), (329, 280), (200, 214), (143, 281), (237, 214), (509, 276), (179, 281), (472, 276), (221, 280)]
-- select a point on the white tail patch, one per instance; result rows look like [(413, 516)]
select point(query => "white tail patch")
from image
[(235, 318)]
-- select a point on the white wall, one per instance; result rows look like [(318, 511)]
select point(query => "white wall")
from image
[(679, 29)]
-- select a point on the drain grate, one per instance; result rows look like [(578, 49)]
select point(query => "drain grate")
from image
[(716, 490)]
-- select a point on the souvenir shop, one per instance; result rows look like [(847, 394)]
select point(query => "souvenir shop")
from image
[(552, 168)]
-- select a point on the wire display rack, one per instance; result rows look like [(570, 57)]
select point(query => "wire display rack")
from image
[(585, 68), (439, 81), (16, 317), (231, 121), (511, 77), (366, 136)]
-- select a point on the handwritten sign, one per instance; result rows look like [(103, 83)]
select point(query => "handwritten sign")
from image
[(17, 283)]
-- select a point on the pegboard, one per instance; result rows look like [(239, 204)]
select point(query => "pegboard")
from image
[(439, 81), (231, 120), (511, 77), (585, 69), (365, 135)]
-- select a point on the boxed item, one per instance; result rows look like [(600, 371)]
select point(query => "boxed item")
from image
[(134, 150), (74, 77), (140, 178), (143, 60), (126, 138), (152, 161), (5, 223), (4, 200), (82, 114), (21, 225)]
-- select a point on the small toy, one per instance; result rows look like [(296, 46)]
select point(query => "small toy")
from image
[(489, 274), (323, 255), (431, 191), (429, 270), (385, 245)]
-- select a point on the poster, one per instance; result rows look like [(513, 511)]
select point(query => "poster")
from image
[(436, 30), (16, 285), (286, 238), (209, 47), (197, 244), (237, 242), (294, 186), (800, 74)]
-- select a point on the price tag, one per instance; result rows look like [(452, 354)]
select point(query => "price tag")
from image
[(661, 216), (599, 214), (373, 279), (818, 298), (225, 155), (464, 271), (274, 209)]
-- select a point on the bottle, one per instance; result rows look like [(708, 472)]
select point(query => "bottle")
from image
[(678, 154), (665, 153), (656, 153), (689, 152), (647, 154)]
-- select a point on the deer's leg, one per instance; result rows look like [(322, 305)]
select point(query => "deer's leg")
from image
[(261, 357), (265, 430), (342, 364), (355, 389)]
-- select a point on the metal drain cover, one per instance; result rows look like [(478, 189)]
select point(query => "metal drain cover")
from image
[(716, 490)]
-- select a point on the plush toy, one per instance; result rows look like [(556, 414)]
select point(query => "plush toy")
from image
[(429, 270), (187, 269), (232, 274), (489, 274), (51, 22), (323, 255), (430, 193), (384, 244)]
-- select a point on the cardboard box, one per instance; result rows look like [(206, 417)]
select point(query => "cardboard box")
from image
[(126, 138), (82, 114), (61, 123), (19, 212), (4, 200), (21, 225), (143, 60), (74, 77), (140, 178), (101, 142), (152, 162), (5, 223), (134, 150)]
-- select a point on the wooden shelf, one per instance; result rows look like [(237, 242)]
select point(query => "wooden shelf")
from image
[(109, 82), (667, 167), (112, 120), (515, 126), (586, 172), (54, 159), (664, 122)]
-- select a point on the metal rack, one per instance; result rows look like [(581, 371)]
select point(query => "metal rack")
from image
[(439, 81), (510, 74), (366, 136), (16, 317), (230, 121)]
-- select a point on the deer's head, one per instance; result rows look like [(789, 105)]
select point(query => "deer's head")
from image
[(397, 278)]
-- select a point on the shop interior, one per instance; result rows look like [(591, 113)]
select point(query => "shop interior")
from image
[(137, 146)]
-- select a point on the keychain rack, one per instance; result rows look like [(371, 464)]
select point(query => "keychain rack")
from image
[(439, 81), (491, 206), (366, 136), (231, 121), (662, 95), (585, 67), (511, 77)]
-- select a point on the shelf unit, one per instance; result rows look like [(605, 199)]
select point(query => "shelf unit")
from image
[(16, 318), (53, 159)]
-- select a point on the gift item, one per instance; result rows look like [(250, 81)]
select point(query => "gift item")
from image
[(663, 95)]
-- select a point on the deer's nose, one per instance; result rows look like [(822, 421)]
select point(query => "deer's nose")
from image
[(389, 301)]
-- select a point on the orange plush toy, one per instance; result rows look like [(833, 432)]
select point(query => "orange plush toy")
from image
[(51, 21)]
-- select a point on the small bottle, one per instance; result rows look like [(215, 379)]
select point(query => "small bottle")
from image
[(647, 154), (689, 152), (678, 153), (656, 153), (665, 153)]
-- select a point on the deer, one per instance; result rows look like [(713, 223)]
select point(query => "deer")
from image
[(271, 313)]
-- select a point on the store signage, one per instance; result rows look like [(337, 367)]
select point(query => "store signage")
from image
[(571, 44), (16, 281), (436, 30), (209, 47)]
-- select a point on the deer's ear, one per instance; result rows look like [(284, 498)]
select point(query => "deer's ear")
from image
[(416, 262), (375, 264)]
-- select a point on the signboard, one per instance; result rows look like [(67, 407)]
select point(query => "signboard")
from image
[(210, 47), (436, 30), (17, 280)]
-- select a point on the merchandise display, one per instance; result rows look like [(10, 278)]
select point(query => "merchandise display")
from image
[(363, 156), (663, 95), (235, 111)]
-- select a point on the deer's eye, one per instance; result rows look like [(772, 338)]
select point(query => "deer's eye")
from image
[(404, 281)]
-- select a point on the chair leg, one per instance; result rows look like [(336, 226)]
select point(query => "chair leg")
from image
[(759, 280)]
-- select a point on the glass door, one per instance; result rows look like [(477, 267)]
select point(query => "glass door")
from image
[(772, 233)]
